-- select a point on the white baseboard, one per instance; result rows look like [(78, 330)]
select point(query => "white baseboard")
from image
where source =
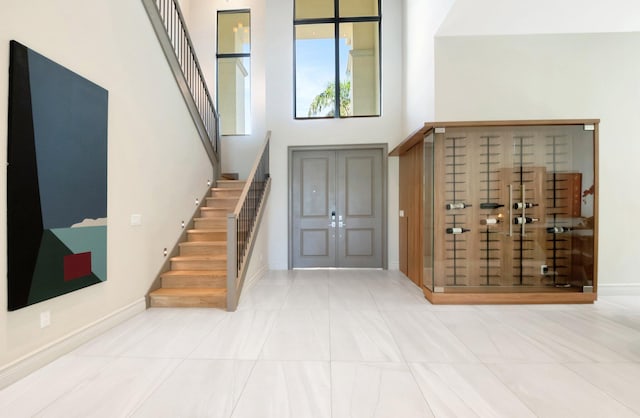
[(619, 289), (27, 364)]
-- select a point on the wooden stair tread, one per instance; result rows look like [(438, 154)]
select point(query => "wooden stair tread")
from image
[(212, 257), (215, 273), (227, 189), (205, 243), (187, 291), (219, 212), (229, 181)]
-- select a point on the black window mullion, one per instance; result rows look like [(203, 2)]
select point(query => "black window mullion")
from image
[(336, 20), (359, 19), (235, 55), (336, 35), (313, 21)]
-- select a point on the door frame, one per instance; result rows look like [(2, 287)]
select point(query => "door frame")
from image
[(383, 147)]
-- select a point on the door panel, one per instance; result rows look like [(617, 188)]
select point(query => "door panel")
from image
[(360, 203), (337, 208), (313, 239)]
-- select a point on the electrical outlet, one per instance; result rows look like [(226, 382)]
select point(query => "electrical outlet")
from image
[(544, 269), (45, 319)]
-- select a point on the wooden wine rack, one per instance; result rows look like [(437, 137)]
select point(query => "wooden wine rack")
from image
[(502, 163)]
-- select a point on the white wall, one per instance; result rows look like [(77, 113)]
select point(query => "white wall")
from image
[(185, 6), (156, 162), (272, 107), (422, 19), (238, 152), (508, 17), (558, 76), (289, 132)]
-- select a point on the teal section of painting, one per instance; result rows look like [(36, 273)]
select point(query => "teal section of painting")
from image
[(87, 239), (48, 276)]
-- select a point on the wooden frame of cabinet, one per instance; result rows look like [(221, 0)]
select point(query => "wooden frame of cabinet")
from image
[(412, 224)]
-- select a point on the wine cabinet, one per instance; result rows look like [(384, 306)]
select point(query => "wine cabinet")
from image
[(506, 211)]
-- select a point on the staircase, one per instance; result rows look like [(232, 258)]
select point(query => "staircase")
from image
[(198, 276)]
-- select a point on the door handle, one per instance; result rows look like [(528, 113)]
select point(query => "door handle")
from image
[(342, 224), (332, 224)]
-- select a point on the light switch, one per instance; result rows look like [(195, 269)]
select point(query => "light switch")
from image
[(136, 220), (402, 214)]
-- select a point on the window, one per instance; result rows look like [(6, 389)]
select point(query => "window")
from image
[(337, 43), (234, 72)]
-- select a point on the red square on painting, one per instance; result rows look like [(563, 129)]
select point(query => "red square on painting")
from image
[(76, 266)]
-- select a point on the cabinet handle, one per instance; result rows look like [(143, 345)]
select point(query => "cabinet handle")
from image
[(524, 209), (510, 209)]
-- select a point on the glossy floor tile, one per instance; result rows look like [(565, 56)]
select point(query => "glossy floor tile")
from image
[(114, 391), (298, 335), (240, 335), (362, 336), (198, 388), (348, 343), (375, 390), (285, 389), (422, 337), (467, 390), (553, 390)]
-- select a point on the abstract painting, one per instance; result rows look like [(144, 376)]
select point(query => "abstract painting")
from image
[(56, 180)]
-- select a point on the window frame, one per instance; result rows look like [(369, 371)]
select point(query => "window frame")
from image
[(336, 20), (224, 55)]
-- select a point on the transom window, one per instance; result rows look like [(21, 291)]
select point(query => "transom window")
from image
[(234, 72), (337, 43)]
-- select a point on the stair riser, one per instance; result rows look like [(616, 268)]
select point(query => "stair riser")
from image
[(187, 302), (203, 249), (229, 184), (214, 213), (207, 236), (221, 203), (211, 223), (194, 282), (198, 264), (225, 193)]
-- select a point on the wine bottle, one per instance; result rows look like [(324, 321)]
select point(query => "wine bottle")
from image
[(524, 205), (490, 221), (459, 205), (457, 230), (558, 229), (490, 205), (524, 220)]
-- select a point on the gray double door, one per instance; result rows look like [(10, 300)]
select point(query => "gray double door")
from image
[(337, 208)]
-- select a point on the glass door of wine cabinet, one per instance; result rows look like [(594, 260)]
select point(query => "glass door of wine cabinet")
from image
[(512, 208)]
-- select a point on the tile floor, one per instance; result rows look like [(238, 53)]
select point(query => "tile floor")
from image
[(348, 344)]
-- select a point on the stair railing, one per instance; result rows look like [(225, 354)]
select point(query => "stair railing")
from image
[(241, 224), (170, 27)]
